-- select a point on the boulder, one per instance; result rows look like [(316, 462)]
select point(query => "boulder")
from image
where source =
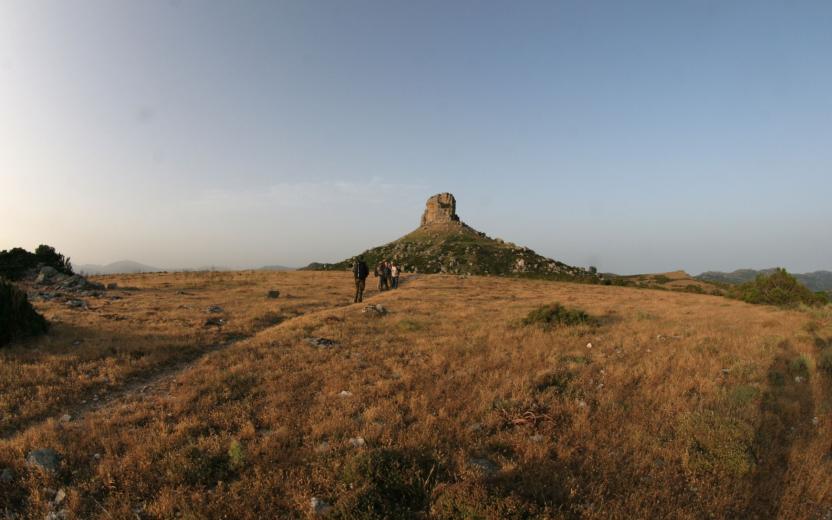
[(46, 459), (322, 342), (46, 275)]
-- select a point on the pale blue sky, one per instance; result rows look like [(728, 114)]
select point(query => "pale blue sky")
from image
[(636, 136)]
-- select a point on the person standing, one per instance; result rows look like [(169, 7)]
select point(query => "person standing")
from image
[(382, 281), (394, 271), (360, 272), (388, 275)]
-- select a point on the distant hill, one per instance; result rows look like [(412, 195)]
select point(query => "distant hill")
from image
[(444, 244), (816, 281), (276, 268), (120, 267)]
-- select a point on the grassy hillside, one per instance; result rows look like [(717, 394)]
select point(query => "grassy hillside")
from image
[(459, 249), (465, 400)]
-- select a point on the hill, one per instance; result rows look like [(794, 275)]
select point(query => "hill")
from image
[(662, 405), (276, 268), (674, 281), (816, 281), (445, 244), (120, 267)]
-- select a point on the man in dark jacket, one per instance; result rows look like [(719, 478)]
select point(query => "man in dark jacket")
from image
[(360, 272)]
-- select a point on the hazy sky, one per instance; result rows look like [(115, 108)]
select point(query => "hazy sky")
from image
[(636, 136)]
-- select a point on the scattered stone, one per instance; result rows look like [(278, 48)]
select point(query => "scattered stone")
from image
[(76, 304), (345, 393), (46, 459), (375, 310), (273, 294), (537, 438), (77, 342), (218, 322), (60, 496), (319, 507), (66, 417), (589, 345), (799, 379), (815, 421), (57, 515), (322, 342), (489, 467), (112, 285), (215, 309), (7, 475), (357, 442), (96, 456)]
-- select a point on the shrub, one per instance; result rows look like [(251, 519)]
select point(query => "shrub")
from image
[(236, 455), (15, 262), (18, 318), (778, 288), (555, 315), (387, 484), (825, 360)]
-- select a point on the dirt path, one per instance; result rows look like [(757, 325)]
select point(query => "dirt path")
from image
[(154, 381)]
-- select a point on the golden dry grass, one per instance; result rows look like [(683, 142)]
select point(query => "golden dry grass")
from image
[(684, 406)]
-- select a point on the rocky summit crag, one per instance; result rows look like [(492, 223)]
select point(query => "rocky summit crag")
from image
[(445, 244)]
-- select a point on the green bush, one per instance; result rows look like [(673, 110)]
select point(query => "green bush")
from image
[(387, 483), (777, 288), (825, 360), (556, 315), (15, 262), (18, 318)]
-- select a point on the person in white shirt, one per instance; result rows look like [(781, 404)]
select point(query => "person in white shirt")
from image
[(394, 272)]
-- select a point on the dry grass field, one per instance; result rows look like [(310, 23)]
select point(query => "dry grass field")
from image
[(670, 405)]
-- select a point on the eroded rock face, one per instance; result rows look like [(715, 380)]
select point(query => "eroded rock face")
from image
[(440, 209)]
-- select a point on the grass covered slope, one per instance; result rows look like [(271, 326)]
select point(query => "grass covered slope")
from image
[(634, 404), (459, 249)]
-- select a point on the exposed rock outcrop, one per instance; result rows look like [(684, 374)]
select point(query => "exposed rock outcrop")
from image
[(440, 209)]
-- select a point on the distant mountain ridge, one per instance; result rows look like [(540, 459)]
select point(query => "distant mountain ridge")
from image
[(120, 267), (816, 280)]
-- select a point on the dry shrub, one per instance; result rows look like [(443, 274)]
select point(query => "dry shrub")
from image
[(557, 315), (18, 319)]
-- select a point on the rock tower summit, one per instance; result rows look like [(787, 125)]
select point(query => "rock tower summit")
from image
[(440, 209)]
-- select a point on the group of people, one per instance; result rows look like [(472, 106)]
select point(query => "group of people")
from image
[(387, 273)]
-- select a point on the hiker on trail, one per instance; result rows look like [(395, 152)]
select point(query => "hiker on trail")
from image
[(388, 275), (360, 272), (382, 281), (395, 271)]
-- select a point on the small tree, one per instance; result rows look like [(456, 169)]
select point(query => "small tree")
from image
[(48, 256)]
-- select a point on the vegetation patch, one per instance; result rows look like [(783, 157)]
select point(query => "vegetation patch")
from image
[(557, 315), (387, 483), (16, 262), (719, 444), (18, 319), (777, 288), (825, 360), (410, 325)]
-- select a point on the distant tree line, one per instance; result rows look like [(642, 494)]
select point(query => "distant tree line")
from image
[(16, 262)]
